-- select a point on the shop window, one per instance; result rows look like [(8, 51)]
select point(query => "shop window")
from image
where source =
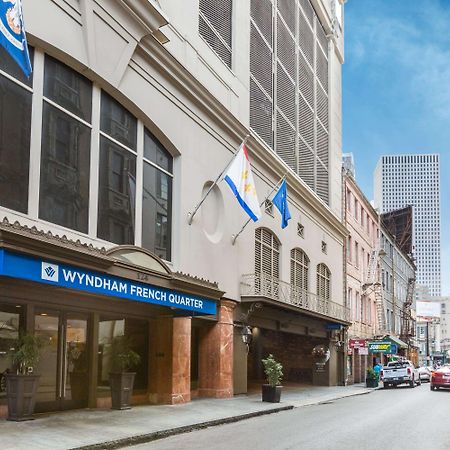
[(11, 321), (15, 129), (137, 332), (157, 198)]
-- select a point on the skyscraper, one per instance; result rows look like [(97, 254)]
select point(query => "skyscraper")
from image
[(402, 180)]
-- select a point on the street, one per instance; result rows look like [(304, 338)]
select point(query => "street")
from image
[(400, 418)]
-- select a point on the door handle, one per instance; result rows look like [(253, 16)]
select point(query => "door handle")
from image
[(62, 367)]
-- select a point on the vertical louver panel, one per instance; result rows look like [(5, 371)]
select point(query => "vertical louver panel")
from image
[(261, 14), (306, 80), (306, 39), (286, 95), (322, 182), (306, 163), (286, 49), (322, 145), (287, 11), (285, 142), (261, 114), (322, 107), (307, 10), (306, 121), (261, 61), (322, 37), (215, 26), (322, 68)]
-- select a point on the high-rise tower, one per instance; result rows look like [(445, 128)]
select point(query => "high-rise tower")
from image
[(402, 180)]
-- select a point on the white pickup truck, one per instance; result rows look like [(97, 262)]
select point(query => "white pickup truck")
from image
[(400, 372)]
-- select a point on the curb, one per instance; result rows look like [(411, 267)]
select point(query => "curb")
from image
[(149, 437)]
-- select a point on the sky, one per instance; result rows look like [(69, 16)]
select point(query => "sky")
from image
[(396, 90)]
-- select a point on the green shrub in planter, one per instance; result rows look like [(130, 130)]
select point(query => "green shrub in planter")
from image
[(273, 370)]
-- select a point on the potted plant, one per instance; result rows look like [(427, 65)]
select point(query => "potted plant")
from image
[(273, 370), (121, 380), (371, 378), (21, 386)]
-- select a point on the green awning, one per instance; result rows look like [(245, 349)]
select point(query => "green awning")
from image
[(396, 340)]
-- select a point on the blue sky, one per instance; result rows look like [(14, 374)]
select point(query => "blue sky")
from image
[(396, 90)]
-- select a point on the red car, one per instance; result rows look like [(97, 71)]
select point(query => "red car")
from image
[(440, 378)]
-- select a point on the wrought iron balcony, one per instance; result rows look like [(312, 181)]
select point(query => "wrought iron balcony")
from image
[(266, 286)]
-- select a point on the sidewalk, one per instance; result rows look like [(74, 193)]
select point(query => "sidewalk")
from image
[(101, 428)]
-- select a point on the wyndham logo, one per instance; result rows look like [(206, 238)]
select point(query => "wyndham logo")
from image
[(50, 272)]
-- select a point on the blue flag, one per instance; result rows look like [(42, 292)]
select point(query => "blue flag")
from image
[(280, 201), (12, 33)]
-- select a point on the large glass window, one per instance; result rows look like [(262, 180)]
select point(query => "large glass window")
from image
[(65, 153), (137, 333), (117, 182), (157, 198), (15, 129), (11, 320)]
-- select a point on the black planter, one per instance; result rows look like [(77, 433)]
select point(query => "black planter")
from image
[(21, 395), (370, 382), (121, 389), (271, 393)]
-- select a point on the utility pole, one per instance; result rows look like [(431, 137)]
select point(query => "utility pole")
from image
[(428, 342)]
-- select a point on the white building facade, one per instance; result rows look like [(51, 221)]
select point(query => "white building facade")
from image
[(133, 109), (403, 180)]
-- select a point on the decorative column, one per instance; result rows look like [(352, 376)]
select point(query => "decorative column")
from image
[(170, 360), (216, 354)]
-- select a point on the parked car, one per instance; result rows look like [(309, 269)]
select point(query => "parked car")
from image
[(440, 378), (400, 372), (425, 374)]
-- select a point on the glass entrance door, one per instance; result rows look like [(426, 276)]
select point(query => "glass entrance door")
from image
[(64, 363)]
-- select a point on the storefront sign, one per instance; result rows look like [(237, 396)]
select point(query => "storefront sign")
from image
[(382, 347), (363, 351), (61, 275), (357, 343)]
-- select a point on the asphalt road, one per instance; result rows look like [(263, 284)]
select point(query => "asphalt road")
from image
[(400, 418)]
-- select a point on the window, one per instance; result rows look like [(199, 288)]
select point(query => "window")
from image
[(65, 150), (301, 230), (268, 207), (157, 198), (215, 26), (117, 185), (289, 87), (136, 331), (356, 254), (323, 281), (11, 321), (299, 269), (267, 261), (15, 129), (324, 247)]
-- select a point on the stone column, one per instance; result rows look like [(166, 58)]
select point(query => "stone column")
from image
[(216, 355), (170, 360)]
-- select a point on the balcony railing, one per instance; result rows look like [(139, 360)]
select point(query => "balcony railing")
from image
[(261, 285)]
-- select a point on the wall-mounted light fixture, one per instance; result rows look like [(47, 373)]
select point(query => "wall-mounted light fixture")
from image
[(246, 334)]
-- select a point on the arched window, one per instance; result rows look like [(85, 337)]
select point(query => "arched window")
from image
[(323, 281), (299, 269), (267, 253)]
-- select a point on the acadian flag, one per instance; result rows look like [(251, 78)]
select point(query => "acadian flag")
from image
[(12, 33), (280, 201), (240, 179)]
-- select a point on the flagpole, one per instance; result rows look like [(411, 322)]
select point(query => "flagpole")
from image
[(192, 214), (235, 236)]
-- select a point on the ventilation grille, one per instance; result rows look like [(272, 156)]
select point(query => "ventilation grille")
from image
[(261, 113), (215, 26)]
